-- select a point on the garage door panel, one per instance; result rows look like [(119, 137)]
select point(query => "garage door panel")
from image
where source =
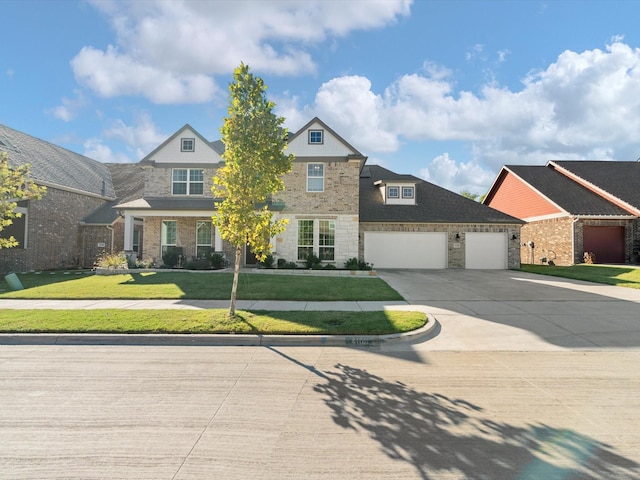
[(406, 249), (485, 250)]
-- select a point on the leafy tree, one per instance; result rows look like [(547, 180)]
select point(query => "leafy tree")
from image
[(15, 185), (473, 196), (255, 141)]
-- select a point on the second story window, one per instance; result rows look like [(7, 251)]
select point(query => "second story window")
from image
[(393, 192), (316, 137), (407, 192), (188, 145), (187, 181), (315, 177)]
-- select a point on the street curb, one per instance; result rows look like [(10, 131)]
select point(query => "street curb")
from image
[(250, 340)]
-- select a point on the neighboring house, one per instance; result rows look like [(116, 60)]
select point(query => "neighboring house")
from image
[(572, 208), (336, 207), (406, 222), (49, 232)]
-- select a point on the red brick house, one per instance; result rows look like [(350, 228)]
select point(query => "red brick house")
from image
[(573, 208)]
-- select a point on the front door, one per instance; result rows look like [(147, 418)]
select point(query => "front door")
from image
[(250, 259)]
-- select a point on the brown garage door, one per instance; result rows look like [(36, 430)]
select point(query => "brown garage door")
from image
[(606, 242)]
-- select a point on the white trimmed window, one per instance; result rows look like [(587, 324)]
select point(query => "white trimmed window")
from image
[(407, 192), (187, 144), (315, 177), (169, 235), (393, 192), (203, 238), (187, 181), (317, 236), (316, 137)]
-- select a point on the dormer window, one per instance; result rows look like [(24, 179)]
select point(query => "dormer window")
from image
[(316, 137), (393, 192), (407, 192), (188, 145)]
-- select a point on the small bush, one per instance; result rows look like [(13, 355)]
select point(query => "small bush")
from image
[(282, 263), (113, 260), (217, 261), (268, 261), (351, 264), (198, 264), (312, 261), (329, 266), (170, 258)]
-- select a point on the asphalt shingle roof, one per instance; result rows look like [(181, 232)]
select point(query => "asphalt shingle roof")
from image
[(620, 179), (55, 165), (564, 192), (434, 204)]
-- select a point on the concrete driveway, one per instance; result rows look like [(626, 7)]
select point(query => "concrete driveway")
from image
[(508, 310)]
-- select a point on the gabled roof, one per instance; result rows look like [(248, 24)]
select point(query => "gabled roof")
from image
[(434, 204), (564, 192), (55, 166), (186, 126), (619, 182), (128, 182), (328, 129)]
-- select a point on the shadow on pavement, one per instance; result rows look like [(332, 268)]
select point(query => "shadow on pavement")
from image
[(439, 435)]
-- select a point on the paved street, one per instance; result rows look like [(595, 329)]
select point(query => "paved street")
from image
[(448, 407)]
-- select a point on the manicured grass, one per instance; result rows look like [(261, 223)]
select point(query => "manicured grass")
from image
[(207, 286), (209, 321), (620, 276)]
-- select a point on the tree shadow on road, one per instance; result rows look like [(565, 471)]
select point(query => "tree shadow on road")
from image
[(439, 435)]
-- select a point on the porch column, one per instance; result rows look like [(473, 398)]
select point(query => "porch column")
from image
[(128, 232), (217, 240)]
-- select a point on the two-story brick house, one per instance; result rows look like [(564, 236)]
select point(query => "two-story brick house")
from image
[(336, 208)]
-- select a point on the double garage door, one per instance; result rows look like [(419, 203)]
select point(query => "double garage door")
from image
[(430, 250)]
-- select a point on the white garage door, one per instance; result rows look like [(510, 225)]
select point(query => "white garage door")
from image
[(405, 249), (486, 250)]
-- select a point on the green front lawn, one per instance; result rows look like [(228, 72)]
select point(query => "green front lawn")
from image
[(209, 321), (205, 286), (620, 276)]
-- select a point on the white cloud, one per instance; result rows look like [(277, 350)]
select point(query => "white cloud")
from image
[(168, 51), (457, 176), (582, 106), (95, 149), (69, 107)]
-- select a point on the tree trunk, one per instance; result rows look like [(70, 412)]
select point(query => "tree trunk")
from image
[(234, 288)]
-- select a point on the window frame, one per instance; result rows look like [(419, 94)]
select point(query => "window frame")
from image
[(395, 189), (200, 245), (188, 182), (164, 240), (187, 139), (411, 195), (315, 177), (316, 236), (312, 134)]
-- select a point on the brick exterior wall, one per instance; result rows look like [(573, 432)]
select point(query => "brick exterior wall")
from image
[(561, 240), (340, 196), (93, 236), (53, 231), (158, 182), (456, 247)]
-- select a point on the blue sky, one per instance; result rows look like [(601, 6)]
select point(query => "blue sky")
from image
[(445, 90)]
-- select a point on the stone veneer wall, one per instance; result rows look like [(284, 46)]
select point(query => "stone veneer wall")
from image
[(456, 247), (346, 246), (592, 222), (53, 233)]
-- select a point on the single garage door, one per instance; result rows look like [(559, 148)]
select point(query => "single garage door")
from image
[(607, 243), (486, 250), (405, 249)]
